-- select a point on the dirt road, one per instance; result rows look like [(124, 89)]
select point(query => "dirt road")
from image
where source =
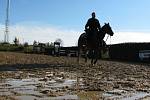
[(32, 76)]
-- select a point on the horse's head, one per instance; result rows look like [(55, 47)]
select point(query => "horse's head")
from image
[(107, 29)]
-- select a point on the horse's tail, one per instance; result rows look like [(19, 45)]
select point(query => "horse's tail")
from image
[(80, 44), (78, 56)]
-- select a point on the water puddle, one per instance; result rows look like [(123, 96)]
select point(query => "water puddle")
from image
[(48, 85), (66, 97), (125, 95), (45, 88)]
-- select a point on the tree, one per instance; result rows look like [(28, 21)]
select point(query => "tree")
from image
[(60, 41), (26, 44), (16, 41), (34, 43)]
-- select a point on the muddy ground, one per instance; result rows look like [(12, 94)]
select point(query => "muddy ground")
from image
[(42, 77)]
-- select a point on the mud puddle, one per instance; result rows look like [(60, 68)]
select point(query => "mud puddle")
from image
[(126, 95), (48, 86), (57, 85)]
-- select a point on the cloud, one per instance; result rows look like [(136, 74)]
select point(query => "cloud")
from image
[(47, 33), (29, 33), (123, 37)]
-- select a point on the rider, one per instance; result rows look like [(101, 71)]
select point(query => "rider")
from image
[(92, 25)]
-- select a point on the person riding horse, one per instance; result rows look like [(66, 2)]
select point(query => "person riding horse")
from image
[(92, 26), (91, 42)]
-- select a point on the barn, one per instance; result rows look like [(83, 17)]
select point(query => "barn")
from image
[(127, 51)]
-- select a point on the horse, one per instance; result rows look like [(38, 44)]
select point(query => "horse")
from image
[(91, 47)]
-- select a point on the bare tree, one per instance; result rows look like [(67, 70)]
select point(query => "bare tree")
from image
[(16, 41), (60, 41), (35, 43)]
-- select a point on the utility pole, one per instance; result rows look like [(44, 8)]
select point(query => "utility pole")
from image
[(6, 33)]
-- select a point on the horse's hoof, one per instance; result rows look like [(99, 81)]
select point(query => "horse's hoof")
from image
[(93, 64)]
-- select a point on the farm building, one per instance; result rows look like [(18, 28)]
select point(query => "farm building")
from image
[(127, 51)]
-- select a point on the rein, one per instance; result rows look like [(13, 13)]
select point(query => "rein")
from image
[(107, 39)]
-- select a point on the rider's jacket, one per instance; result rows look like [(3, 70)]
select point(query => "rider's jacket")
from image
[(92, 25)]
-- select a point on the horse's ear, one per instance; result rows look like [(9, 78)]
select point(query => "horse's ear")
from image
[(105, 23), (108, 23)]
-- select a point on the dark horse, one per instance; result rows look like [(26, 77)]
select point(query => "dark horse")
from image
[(93, 44)]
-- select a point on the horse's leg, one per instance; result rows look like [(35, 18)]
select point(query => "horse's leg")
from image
[(92, 61), (96, 55), (92, 56), (86, 56), (78, 59)]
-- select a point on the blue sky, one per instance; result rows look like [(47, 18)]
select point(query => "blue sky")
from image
[(124, 16)]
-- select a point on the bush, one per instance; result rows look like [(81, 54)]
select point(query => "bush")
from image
[(28, 49), (10, 47)]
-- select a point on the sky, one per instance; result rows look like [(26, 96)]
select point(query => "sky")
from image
[(48, 20)]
